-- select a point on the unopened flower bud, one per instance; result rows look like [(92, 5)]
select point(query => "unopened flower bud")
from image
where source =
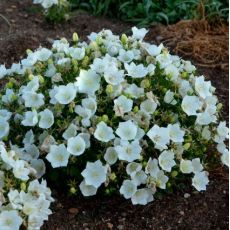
[(99, 40), (28, 51), (23, 186), (124, 39), (31, 76), (105, 118), (109, 89), (186, 146), (75, 37), (219, 106), (174, 173), (41, 79), (135, 109), (112, 176), (73, 190)]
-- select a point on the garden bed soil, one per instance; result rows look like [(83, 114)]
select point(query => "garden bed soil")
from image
[(22, 27)]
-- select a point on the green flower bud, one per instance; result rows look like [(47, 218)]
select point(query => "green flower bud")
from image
[(14, 97), (185, 75), (9, 85), (149, 59), (112, 176), (144, 164), (105, 118), (124, 39), (188, 138), (41, 79), (135, 109), (28, 51), (64, 40), (99, 40), (75, 37), (156, 113), (174, 173), (94, 46), (164, 90), (107, 191), (186, 146), (168, 185), (31, 76), (50, 61), (219, 106), (109, 89), (72, 190), (23, 186), (103, 50), (145, 83), (85, 61)]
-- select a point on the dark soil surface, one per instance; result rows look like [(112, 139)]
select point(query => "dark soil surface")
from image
[(22, 27)]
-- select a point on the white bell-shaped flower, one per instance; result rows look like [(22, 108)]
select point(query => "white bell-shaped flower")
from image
[(88, 82), (191, 104), (58, 156), (200, 181), (20, 170), (133, 167), (10, 220), (139, 34), (76, 145), (166, 160), (202, 87), (103, 132), (30, 118), (127, 130), (66, 93), (136, 71), (186, 166), (46, 119), (111, 155), (94, 173), (148, 106), (142, 196), (71, 131), (87, 190), (176, 134), (33, 99), (122, 105), (128, 189), (160, 136), (128, 151), (4, 128)]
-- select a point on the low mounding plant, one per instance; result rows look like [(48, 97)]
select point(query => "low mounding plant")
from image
[(54, 10), (119, 113)]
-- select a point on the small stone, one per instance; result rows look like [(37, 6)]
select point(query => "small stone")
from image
[(110, 226), (73, 211), (187, 195), (120, 227), (181, 212)]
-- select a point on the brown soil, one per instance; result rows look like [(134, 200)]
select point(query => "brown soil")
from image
[(22, 28)]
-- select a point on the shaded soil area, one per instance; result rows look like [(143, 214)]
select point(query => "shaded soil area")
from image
[(22, 27)]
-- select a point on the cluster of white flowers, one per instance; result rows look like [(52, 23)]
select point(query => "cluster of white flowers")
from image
[(46, 3), (125, 112), (31, 200)]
